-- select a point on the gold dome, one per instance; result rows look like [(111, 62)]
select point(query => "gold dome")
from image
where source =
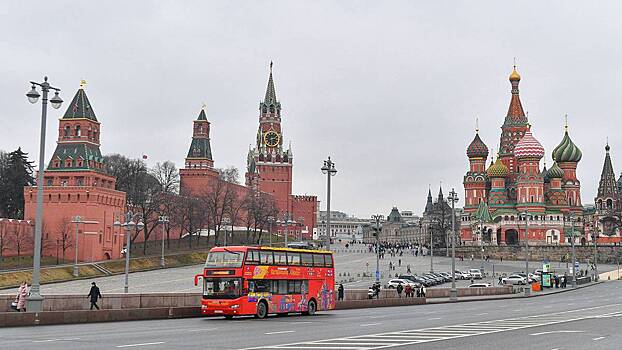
[(514, 76)]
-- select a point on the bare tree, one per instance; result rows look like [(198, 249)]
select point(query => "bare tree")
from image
[(65, 236), (21, 239), (167, 176), (219, 198), (4, 239)]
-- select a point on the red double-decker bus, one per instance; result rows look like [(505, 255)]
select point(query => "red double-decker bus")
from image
[(241, 280)]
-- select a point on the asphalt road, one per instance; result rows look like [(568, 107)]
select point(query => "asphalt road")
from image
[(580, 319)]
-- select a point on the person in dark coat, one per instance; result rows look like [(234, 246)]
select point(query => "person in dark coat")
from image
[(340, 292), (94, 295), (399, 290)]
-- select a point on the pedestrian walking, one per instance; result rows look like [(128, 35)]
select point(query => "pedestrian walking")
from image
[(22, 294), (500, 279), (94, 295), (408, 290), (340, 292), (423, 291), (399, 290), (408, 268), (399, 262)]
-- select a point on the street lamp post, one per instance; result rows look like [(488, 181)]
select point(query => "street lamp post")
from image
[(286, 221), (596, 253), (270, 221), (225, 221), (329, 170), (35, 300), (77, 220), (129, 225), (574, 269), (164, 221), (377, 219), (453, 198), (430, 228), (528, 288)]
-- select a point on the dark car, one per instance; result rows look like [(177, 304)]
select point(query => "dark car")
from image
[(411, 278)]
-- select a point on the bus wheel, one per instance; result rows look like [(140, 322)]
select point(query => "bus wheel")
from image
[(228, 317), (262, 309), (311, 308)]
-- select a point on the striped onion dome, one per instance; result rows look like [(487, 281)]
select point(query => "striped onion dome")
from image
[(567, 151), (477, 148), (528, 147), (498, 169), (555, 172)]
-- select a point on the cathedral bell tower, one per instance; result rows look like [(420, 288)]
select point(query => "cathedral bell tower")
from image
[(269, 166)]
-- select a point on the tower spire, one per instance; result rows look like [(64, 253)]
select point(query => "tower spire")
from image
[(270, 97)]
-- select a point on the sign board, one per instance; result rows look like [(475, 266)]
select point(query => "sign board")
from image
[(377, 274), (576, 264), (546, 280), (546, 267)]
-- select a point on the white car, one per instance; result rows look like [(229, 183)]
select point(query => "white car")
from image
[(397, 281), (480, 285), (476, 274), (462, 275), (514, 279)]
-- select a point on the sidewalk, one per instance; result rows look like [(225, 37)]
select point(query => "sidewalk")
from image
[(518, 295)]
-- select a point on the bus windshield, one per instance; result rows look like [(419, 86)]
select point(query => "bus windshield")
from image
[(222, 288), (224, 259)]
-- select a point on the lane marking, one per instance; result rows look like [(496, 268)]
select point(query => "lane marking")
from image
[(279, 332), (202, 330), (553, 332), (52, 340), (435, 334), (141, 344), (370, 324), (434, 318), (599, 338), (482, 314)]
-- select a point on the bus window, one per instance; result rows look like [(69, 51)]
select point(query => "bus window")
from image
[(294, 287), (318, 260), (280, 258), (328, 260), (266, 257), (307, 259), (258, 286), (222, 288), (252, 257), (293, 258)]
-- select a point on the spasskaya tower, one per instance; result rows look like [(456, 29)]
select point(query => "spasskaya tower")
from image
[(269, 165)]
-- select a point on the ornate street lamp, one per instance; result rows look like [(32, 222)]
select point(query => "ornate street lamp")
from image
[(129, 225), (329, 170), (35, 300)]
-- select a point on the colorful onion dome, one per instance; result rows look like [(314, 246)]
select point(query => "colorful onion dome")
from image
[(528, 147), (567, 151), (498, 169), (555, 172), (477, 148), (514, 76)]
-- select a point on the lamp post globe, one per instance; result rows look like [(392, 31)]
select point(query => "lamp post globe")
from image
[(56, 101), (33, 95)]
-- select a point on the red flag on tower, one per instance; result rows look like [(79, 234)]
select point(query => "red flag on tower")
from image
[(144, 156)]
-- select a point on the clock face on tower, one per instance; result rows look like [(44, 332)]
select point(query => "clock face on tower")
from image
[(271, 138)]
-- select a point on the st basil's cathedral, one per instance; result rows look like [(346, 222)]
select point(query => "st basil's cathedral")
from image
[(501, 197)]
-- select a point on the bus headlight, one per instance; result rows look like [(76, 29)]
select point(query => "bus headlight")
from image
[(236, 306)]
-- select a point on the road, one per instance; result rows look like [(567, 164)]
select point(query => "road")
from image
[(352, 264), (580, 319)]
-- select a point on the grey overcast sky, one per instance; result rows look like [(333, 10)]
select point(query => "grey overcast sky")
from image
[(389, 89)]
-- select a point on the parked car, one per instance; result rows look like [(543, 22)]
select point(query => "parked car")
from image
[(476, 274), (514, 279), (447, 276), (461, 275), (411, 278), (396, 282), (480, 285), (467, 275)]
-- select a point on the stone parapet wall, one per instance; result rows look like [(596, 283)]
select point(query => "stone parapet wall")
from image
[(112, 301), (606, 254)]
